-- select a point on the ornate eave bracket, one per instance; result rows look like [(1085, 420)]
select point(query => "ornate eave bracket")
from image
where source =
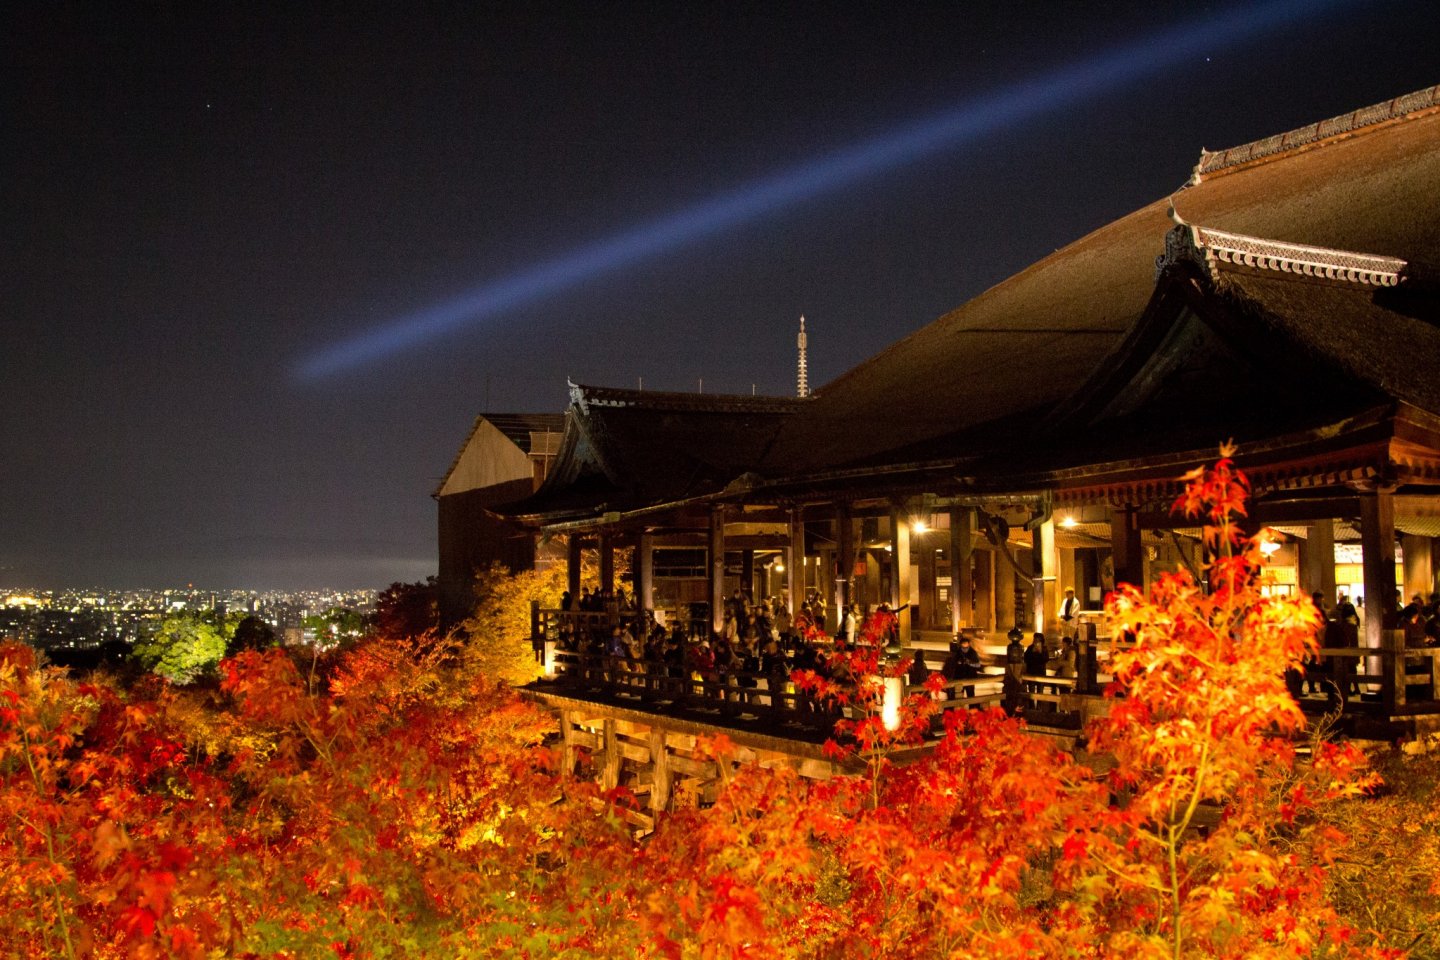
[(1210, 249)]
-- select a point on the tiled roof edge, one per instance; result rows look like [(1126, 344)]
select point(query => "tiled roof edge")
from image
[(1212, 248), (1218, 160)]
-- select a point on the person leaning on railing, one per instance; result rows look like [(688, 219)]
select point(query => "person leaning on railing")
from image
[(963, 663)]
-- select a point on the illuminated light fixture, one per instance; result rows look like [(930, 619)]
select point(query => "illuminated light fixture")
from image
[(1069, 523), (778, 567), (1050, 92), (893, 693), (1269, 547), (919, 526)]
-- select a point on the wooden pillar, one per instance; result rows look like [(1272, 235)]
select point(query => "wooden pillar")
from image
[(962, 546), (747, 573), (610, 772), (795, 562), (867, 590), (660, 781), (900, 580), (844, 559), (607, 563), (925, 612), (1317, 561), (1047, 568), (572, 565), (1125, 546), (1004, 595), (1418, 574), (717, 568), (645, 571), (825, 566), (567, 739), (1377, 540), (984, 579)]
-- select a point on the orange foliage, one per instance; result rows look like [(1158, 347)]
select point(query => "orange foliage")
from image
[(404, 805)]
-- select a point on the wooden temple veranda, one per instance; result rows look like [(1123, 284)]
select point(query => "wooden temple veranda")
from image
[(1286, 298)]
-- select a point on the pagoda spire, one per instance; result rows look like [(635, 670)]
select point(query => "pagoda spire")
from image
[(802, 372)]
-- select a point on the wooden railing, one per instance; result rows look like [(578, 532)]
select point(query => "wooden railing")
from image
[(732, 693), (1405, 677)]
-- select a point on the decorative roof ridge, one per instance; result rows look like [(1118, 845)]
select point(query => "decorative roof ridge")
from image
[(1214, 249), (585, 397), (1216, 161)]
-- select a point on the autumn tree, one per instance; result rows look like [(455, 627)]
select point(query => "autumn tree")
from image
[(1212, 847), (402, 803), (499, 627)]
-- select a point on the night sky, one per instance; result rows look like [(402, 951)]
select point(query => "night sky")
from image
[(201, 199)]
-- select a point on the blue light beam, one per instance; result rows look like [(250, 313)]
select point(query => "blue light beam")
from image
[(932, 134)]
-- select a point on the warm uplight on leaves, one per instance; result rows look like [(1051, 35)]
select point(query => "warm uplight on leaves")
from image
[(392, 801)]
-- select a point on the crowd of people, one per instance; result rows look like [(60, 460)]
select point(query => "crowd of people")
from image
[(759, 642), (755, 640), (1420, 619), (1340, 627)]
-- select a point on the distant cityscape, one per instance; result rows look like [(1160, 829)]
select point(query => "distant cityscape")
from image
[(82, 619)]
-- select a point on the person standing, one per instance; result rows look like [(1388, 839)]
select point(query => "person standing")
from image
[(1036, 657), (1014, 684), (1345, 611), (1069, 615)]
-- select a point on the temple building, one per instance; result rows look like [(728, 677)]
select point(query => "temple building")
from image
[(1286, 298), (505, 458)]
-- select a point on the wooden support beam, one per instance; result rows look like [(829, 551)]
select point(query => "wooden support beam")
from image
[(660, 780), (1047, 571), (607, 563), (1125, 546), (610, 770), (794, 562), (704, 769), (717, 568), (1377, 540), (645, 571), (1004, 591), (844, 561), (567, 740), (1417, 576), (572, 565), (983, 572), (1268, 513), (1317, 561), (900, 574), (962, 546)]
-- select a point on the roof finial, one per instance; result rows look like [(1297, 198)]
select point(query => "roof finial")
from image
[(802, 373), (1175, 217)]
